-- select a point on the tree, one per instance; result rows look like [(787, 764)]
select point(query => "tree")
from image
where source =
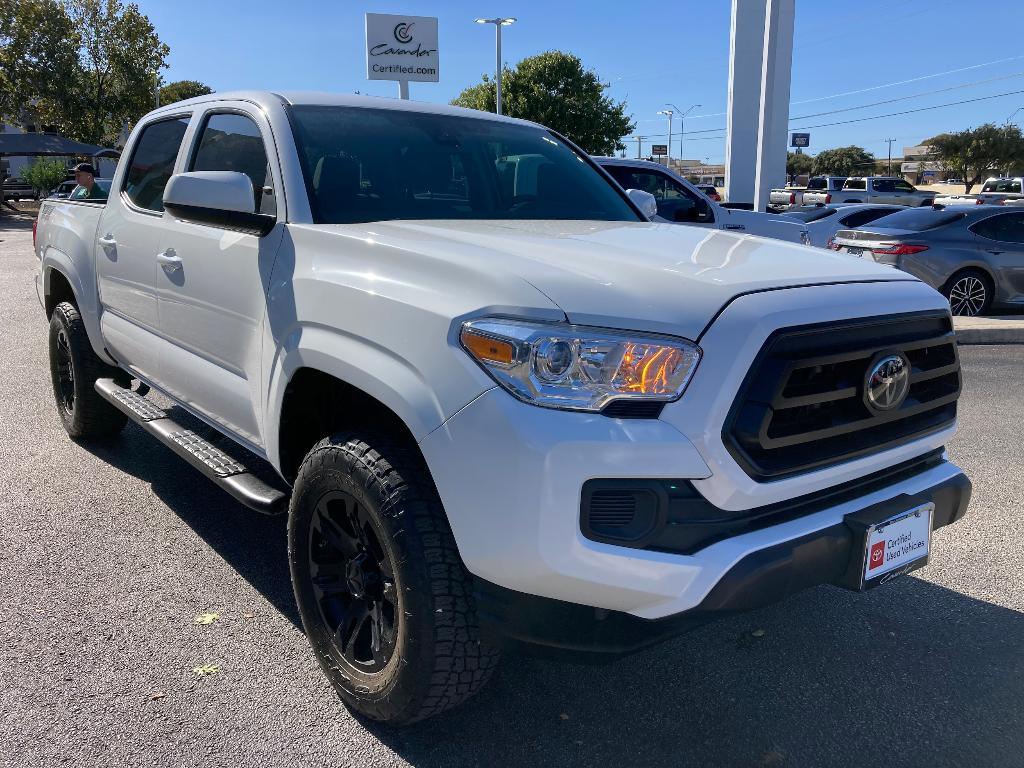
[(44, 175), (38, 59), (797, 165), (555, 90), (120, 57), (180, 90), (974, 153), (844, 161)]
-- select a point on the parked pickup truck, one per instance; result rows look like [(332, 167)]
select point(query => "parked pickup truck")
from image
[(680, 202), (784, 199), (872, 189), (502, 409), (994, 192)]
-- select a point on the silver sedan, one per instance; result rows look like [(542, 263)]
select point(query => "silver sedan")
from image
[(974, 256)]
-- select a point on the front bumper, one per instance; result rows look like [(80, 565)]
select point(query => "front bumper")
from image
[(521, 622)]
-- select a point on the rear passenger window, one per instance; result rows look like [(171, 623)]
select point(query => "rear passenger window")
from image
[(1006, 227), (152, 162), (232, 142)]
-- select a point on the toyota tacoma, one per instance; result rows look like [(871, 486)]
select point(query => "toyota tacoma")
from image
[(503, 409)]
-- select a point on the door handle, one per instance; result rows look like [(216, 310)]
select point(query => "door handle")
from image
[(107, 240), (169, 260), (738, 227), (995, 253)]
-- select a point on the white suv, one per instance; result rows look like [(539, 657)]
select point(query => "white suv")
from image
[(505, 410)]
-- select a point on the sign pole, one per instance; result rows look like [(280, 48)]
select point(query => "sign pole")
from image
[(403, 89)]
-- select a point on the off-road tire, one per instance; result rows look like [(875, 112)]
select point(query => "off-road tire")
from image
[(438, 659), (83, 412)]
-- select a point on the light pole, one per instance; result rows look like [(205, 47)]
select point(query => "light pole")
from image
[(498, 24), (669, 112), (682, 126), (1013, 115)]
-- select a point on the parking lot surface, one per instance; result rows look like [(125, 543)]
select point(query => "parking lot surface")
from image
[(109, 553)]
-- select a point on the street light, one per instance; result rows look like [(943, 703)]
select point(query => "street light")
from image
[(498, 24), (669, 112), (682, 126)]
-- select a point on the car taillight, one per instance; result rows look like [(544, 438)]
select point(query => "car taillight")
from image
[(831, 244), (35, 222), (828, 198), (899, 250), (792, 198)]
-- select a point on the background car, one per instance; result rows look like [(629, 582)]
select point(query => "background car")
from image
[(710, 190), (973, 255), (18, 189), (823, 221), (63, 190)]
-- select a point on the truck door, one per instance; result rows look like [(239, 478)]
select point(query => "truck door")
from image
[(211, 288), (128, 241)]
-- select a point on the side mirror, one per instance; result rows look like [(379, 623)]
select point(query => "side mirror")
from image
[(645, 201), (218, 198)]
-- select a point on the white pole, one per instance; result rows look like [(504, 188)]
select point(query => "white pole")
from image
[(403, 89), (497, 66)]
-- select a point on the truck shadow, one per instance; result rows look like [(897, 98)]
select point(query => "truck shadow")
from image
[(911, 674)]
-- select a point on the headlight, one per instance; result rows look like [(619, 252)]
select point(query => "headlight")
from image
[(579, 368)]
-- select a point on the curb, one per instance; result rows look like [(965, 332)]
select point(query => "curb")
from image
[(993, 330)]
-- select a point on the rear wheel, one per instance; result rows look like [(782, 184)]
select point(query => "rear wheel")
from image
[(74, 369), (385, 600), (969, 292)]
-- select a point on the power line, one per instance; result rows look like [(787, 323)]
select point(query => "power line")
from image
[(913, 96)]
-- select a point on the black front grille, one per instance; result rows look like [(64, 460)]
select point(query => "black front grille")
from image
[(802, 405)]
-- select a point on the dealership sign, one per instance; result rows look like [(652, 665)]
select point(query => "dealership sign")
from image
[(401, 48), (800, 140), (659, 149)]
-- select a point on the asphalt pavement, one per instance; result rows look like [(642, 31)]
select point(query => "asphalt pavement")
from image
[(109, 553)]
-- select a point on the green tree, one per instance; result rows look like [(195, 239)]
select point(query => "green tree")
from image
[(44, 175), (120, 58), (554, 89), (38, 59), (797, 165), (844, 161), (180, 90), (974, 153)]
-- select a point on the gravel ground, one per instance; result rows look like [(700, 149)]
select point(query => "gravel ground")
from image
[(108, 554)]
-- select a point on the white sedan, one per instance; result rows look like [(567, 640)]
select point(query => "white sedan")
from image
[(823, 221)]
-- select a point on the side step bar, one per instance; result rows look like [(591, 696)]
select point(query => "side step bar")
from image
[(204, 456)]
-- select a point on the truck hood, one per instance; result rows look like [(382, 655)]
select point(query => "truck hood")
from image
[(666, 278)]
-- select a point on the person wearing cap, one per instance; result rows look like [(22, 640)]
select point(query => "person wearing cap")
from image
[(87, 189)]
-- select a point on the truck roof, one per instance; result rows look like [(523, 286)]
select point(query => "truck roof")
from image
[(267, 99)]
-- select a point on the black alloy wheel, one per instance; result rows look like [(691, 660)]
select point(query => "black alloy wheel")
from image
[(353, 582), (65, 372)]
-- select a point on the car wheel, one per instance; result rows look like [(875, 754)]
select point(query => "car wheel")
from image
[(969, 293), (74, 369), (385, 600)]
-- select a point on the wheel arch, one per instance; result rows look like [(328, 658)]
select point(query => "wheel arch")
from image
[(62, 281)]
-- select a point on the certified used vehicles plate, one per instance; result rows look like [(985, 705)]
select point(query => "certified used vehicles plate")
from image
[(897, 545)]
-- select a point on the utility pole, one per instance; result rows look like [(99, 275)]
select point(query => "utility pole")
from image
[(890, 141), (669, 112), (682, 125)]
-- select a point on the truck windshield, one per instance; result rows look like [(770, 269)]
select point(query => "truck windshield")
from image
[(363, 165)]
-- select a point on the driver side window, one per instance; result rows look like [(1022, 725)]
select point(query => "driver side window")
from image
[(675, 202)]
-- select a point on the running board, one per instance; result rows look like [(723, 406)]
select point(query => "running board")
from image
[(223, 470)]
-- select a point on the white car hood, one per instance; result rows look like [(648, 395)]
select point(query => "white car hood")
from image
[(657, 277)]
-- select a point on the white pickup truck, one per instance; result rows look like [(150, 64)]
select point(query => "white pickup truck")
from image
[(784, 199), (502, 409), (679, 201), (995, 191), (872, 189)]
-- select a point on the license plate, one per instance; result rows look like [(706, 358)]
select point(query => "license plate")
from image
[(855, 251), (897, 546)]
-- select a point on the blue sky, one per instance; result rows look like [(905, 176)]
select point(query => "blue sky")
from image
[(651, 53)]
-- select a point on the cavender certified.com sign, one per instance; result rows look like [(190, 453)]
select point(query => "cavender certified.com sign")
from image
[(401, 48)]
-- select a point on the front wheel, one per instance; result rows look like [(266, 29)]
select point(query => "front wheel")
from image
[(384, 597), (969, 292)]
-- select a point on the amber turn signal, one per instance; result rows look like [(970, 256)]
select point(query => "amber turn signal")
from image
[(486, 348)]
